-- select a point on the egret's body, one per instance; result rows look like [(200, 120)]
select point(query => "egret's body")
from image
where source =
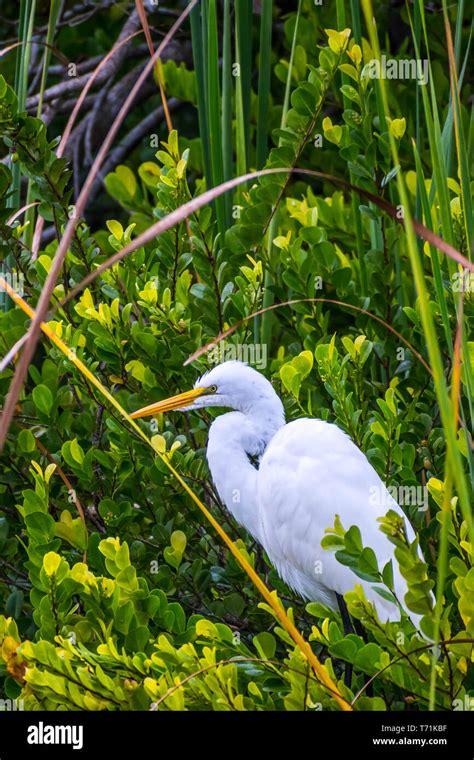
[(307, 472)]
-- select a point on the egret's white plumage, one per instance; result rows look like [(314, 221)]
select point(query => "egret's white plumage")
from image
[(308, 472)]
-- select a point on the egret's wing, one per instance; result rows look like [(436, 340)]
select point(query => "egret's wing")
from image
[(311, 471)]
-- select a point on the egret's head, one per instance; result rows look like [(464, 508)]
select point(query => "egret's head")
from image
[(233, 385)]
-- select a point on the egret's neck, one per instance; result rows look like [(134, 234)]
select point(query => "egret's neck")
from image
[(233, 438)]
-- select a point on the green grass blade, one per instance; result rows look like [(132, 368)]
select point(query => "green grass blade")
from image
[(440, 289), (213, 113), (226, 116), (268, 279), (243, 43), (50, 34), (458, 33), (356, 25), (264, 76), (25, 26), (440, 184), (355, 200), (460, 142), (240, 120), (199, 45), (25, 31), (30, 215)]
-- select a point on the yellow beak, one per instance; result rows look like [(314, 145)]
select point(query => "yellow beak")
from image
[(174, 402)]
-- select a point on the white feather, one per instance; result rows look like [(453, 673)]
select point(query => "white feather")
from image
[(309, 472)]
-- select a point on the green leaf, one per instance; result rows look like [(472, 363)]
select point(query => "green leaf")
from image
[(173, 554), (137, 639), (368, 563), (123, 617), (346, 648), (43, 398), (115, 228), (387, 574), (368, 658), (26, 441), (265, 644), (40, 526)]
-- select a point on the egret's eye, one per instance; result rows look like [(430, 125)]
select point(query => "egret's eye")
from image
[(212, 389)]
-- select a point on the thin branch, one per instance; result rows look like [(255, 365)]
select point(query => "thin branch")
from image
[(73, 84)]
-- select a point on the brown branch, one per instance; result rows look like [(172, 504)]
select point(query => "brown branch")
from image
[(73, 84), (146, 29)]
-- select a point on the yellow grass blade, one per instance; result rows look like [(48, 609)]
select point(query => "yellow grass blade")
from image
[(146, 29)]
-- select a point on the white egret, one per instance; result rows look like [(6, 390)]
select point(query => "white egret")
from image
[(308, 471)]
